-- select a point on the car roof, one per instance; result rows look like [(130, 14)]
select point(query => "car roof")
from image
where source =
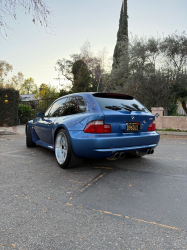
[(101, 94)]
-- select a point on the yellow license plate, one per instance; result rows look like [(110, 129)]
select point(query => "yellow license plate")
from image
[(132, 127)]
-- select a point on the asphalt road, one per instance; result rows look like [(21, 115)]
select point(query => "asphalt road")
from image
[(134, 203)]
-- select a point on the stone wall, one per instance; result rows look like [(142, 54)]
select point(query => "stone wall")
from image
[(170, 122)]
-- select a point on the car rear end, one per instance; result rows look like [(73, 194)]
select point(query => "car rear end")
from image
[(126, 126)]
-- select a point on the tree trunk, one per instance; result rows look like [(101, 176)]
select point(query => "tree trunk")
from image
[(165, 110), (184, 106)]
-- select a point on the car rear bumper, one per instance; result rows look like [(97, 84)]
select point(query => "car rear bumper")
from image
[(104, 145)]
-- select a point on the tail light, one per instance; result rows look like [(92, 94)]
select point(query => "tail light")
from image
[(97, 127), (152, 126)]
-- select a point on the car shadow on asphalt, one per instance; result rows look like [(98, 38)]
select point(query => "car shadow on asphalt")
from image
[(130, 162)]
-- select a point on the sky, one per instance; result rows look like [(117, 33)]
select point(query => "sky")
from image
[(34, 50)]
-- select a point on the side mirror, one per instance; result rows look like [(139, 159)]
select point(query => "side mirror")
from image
[(41, 115)]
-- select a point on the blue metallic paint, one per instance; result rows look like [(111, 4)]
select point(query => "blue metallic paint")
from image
[(95, 145), (104, 145)]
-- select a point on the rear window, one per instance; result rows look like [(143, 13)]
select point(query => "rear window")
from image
[(112, 103)]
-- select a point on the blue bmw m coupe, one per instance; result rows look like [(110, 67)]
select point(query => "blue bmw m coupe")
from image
[(93, 125)]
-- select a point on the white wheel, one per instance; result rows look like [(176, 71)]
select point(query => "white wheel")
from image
[(61, 147), (64, 152)]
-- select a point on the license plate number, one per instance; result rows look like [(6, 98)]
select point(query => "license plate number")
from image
[(132, 126)]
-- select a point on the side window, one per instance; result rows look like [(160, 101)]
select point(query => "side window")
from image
[(74, 105), (46, 114), (57, 108)]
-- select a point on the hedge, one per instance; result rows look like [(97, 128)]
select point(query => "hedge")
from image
[(25, 113), (8, 107)]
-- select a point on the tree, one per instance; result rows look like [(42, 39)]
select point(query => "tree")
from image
[(64, 68), (82, 79), (38, 8), (119, 72), (64, 92), (181, 89), (28, 87), (97, 65), (5, 68), (174, 48), (46, 92), (18, 80), (157, 70), (14, 82), (151, 81)]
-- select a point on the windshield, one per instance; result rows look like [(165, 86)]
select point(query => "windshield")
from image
[(120, 104)]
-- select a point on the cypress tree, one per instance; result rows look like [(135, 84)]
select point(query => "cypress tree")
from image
[(119, 72)]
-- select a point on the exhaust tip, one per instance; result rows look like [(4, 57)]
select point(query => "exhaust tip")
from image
[(152, 151), (117, 155), (122, 155)]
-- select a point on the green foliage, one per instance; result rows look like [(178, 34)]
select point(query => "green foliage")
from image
[(97, 65), (158, 71), (172, 108), (64, 92), (77, 66), (82, 79), (174, 48), (46, 91), (119, 72), (8, 107), (25, 113)]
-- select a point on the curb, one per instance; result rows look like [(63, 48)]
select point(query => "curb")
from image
[(20, 129), (171, 133), (7, 133)]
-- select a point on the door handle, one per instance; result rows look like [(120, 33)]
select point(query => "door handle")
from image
[(49, 123)]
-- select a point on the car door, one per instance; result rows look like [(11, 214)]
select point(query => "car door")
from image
[(44, 126)]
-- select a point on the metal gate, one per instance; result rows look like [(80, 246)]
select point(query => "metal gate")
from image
[(27, 110)]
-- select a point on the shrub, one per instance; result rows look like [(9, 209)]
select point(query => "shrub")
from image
[(8, 107), (25, 113), (172, 109)]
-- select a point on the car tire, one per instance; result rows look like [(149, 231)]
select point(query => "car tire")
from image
[(65, 156), (29, 141)]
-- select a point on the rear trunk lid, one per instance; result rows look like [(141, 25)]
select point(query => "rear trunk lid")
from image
[(123, 122), (124, 113)]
